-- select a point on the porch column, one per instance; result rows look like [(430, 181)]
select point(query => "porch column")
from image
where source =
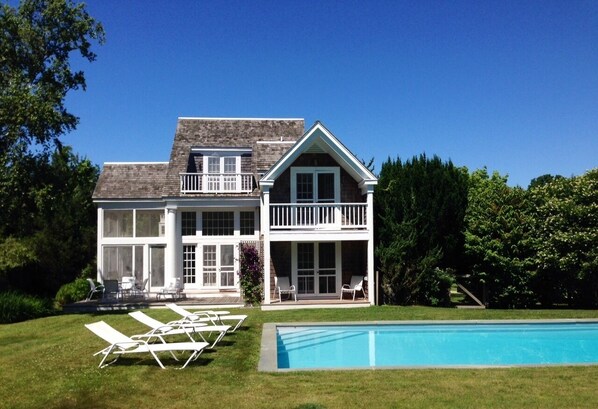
[(372, 286), (170, 268), (265, 225), (99, 254)]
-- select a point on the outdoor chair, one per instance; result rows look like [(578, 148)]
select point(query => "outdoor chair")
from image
[(111, 289), (355, 286), (173, 328), (94, 289), (121, 344), (282, 285), (174, 289), (207, 316), (141, 289)]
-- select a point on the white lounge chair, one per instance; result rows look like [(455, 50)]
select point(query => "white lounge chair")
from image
[(174, 289), (355, 286), (121, 344), (94, 289), (173, 328), (213, 317), (282, 285)]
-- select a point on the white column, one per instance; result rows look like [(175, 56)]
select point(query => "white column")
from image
[(171, 246), (99, 254), (265, 226), (370, 223)]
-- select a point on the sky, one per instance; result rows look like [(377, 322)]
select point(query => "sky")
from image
[(507, 85)]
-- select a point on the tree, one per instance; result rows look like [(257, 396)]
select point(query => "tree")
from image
[(420, 205), (497, 241), (36, 43), (566, 240)]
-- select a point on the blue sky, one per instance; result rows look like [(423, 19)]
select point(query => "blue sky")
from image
[(511, 85)]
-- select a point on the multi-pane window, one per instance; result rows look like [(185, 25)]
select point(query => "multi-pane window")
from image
[(218, 223), (189, 264), (305, 191), (230, 165), (189, 223), (148, 223), (247, 223), (213, 164), (118, 223)]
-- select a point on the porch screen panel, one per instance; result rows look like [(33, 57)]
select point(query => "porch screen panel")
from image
[(138, 265), (227, 265), (117, 262), (189, 264), (327, 268), (209, 266), (305, 268), (147, 223), (118, 223), (157, 266)]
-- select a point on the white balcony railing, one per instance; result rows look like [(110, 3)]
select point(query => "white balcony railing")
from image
[(318, 216), (216, 182)]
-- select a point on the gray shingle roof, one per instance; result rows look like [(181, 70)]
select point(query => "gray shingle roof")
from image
[(206, 132), (131, 181)]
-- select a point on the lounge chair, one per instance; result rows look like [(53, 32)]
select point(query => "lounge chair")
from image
[(121, 344), (94, 289), (281, 284), (173, 328), (213, 317), (355, 286)]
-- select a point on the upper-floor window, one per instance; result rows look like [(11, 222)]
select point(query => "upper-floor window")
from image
[(189, 223), (247, 223), (315, 185), (218, 223), (118, 223), (134, 223), (149, 223)]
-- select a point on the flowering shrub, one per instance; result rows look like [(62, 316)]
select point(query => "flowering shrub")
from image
[(251, 275)]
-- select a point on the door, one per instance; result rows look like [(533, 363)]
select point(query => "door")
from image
[(218, 266), (156, 270), (316, 271), (320, 186)]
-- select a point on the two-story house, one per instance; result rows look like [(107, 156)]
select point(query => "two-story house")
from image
[(301, 196)]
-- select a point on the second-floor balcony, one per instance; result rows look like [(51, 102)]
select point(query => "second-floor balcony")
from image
[(310, 216), (216, 183)]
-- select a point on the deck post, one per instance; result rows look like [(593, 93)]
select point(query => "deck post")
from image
[(372, 285), (265, 213)]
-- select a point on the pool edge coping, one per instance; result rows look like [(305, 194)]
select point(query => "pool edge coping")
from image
[(268, 361)]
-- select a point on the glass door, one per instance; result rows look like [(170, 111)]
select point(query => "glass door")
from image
[(156, 272), (306, 273), (317, 268), (218, 267), (327, 268)]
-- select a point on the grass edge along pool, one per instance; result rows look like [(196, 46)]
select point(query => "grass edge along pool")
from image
[(373, 345)]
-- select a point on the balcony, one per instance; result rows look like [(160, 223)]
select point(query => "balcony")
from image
[(313, 216), (216, 183)]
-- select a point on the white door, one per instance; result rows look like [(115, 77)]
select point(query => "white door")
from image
[(156, 266), (218, 266), (317, 267)]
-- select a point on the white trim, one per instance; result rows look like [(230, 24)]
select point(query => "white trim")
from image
[(335, 170), (275, 142), (197, 149)]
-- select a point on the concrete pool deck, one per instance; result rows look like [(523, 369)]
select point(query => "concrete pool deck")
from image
[(269, 350)]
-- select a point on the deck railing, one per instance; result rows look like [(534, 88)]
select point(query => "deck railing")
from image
[(318, 215), (216, 182)]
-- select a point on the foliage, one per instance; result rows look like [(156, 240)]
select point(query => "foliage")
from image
[(72, 292), (50, 232), (251, 274), (566, 240), (36, 43), (15, 307), (497, 241), (420, 205)]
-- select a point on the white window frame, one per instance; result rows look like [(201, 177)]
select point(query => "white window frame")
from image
[(335, 170)]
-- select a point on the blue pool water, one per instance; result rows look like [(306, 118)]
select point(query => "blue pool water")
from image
[(436, 345)]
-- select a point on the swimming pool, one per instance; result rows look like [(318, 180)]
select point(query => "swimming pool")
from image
[(424, 344)]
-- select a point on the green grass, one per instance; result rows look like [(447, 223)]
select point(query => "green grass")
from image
[(48, 363)]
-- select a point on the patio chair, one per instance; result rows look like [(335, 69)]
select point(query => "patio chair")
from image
[(141, 289), (355, 286), (205, 316), (94, 289), (174, 289), (111, 289), (121, 344), (173, 328), (281, 284)]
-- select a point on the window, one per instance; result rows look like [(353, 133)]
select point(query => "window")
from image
[(148, 223), (189, 264), (120, 261), (218, 223), (189, 223), (118, 223), (247, 223), (305, 185)]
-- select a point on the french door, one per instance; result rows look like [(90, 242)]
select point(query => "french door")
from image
[(319, 186), (316, 268), (218, 266)]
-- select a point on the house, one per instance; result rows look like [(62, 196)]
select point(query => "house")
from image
[(300, 196)]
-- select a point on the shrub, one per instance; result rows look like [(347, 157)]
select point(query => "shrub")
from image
[(71, 292), (15, 307), (250, 275)]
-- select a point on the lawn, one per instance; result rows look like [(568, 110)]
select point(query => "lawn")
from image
[(48, 363)]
